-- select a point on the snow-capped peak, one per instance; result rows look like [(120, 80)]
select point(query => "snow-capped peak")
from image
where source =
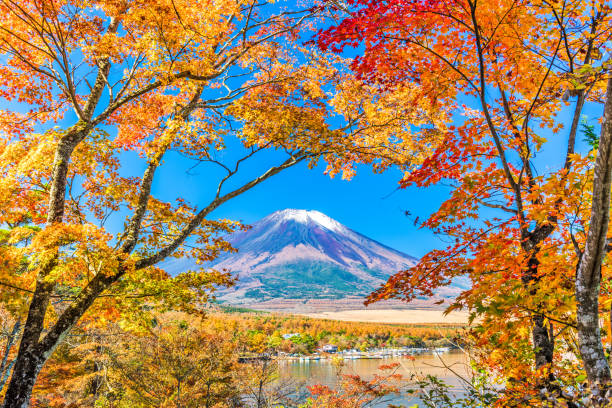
[(306, 216), (299, 254)]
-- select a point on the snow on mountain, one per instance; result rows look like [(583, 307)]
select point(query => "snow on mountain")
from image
[(294, 254), (305, 217)]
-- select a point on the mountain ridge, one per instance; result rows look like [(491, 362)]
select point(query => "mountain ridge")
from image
[(302, 254)]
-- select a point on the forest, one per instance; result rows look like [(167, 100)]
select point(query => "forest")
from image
[(184, 360), (506, 104)]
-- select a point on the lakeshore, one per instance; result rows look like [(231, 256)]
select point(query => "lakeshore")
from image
[(374, 354)]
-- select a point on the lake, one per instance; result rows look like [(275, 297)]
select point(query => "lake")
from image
[(325, 373)]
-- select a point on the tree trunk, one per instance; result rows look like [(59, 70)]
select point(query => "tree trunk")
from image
[(30, 356), (33, 353), (35, 349), (589, 337), (26, 370), (543, 343), (588, 271), (7, 366)]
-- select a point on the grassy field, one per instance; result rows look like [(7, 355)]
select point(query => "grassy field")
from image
[(414, 316)]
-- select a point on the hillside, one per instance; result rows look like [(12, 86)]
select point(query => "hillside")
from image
[(299, 254)]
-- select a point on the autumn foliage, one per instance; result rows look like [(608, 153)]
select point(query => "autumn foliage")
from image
[(357, 392), (493, 98), (515, 80), (100, 96), (178, 359)]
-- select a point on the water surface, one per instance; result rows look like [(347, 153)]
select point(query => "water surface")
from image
[(324, 372)]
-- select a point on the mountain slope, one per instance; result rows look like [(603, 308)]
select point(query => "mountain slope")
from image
[(299, 254)]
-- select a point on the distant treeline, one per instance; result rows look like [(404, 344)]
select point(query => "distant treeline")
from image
[(299, 334)]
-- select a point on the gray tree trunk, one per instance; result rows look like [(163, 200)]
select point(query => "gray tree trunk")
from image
[(588, 271)]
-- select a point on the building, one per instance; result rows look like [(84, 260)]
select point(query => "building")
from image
[(329, 348)]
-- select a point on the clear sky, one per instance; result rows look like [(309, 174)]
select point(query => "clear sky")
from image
[(370, 203)]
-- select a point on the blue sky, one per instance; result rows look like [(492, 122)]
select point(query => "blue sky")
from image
[(370, 203)]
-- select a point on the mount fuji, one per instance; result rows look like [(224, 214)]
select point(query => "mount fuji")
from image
[(300, 254)]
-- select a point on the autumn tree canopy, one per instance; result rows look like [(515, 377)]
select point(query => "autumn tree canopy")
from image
[(516, 77), (90, 84)]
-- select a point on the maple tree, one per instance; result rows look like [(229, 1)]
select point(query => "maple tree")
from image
[(177, 363), (529, 232), (356, 392), (91, 84), (173, 360)]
